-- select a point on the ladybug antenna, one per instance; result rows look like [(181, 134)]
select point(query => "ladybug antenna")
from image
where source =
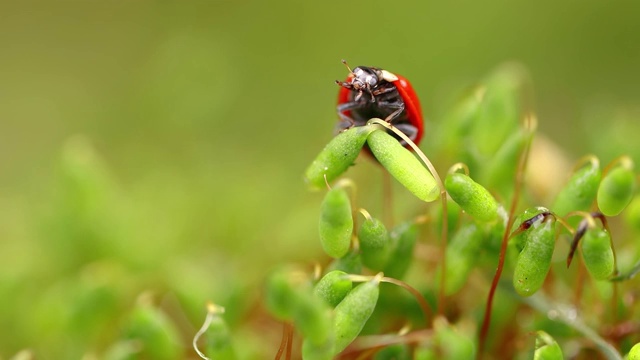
[(347, 65)]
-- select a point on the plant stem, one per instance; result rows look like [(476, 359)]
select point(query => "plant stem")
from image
[(519, 177)]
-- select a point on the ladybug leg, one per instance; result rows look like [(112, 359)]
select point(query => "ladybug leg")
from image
[(344, 118), (407, 129), (398, 106)]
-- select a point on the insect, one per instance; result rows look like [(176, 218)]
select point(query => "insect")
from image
[(371, 92)]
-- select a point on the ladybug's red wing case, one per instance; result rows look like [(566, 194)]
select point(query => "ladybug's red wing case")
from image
[(412, 105)]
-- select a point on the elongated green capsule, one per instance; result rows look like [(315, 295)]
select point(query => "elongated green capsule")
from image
[(337, 156), (499, 111), (403, 165), (462, 255), (632, 214), (580, 191), (597, 253), (616, 190), (634, 353), (289, 296), (501, 167), (352, 313), (534, 261), (336, 223), (547, 348), (452, 343), (217, 340), (472, 197), (154, 331), (403, 239), (311, 351), (374, 244), (333, 287)]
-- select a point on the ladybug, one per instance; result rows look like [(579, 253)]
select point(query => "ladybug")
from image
[(371, 92)]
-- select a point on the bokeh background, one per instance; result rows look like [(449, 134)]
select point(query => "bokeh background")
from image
[(155, 150)]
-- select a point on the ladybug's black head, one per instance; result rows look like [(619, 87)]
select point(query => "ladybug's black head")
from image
[(364, 79)]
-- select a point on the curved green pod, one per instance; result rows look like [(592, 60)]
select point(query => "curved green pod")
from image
[(580, 191), (352, 313), (616, 190), (472, 197), (597, 253), (336, 223), (403, 165), (462, 255), (534, 261), (403, 238), (333, 287), (337, 156), (374, 244)]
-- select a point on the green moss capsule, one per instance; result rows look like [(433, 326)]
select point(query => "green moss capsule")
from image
[(217, 340), (472, 197), (616, 190), (403, 165), (462, 255), (352, 313), (597, 253), (312, 351), (580, 191), (152, 328), (547, 348), (500, 169), (336, 223), (337, 156), (289, 297), (333, 287), (403, 240), (374, 243), (534, 261)]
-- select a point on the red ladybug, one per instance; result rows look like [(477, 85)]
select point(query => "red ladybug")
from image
[(371, 92)]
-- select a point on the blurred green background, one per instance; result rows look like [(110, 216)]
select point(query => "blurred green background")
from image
[(157, 148)]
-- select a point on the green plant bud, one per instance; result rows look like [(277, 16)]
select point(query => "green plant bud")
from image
[(580, 191), (616, 190), (350, 263), (394, 352), (461, 256), (452, 343), (403, 239), (547, 348), (634, 353), (472, 197), (289, 297), (282, 288), (374, 244), (217, 340), (597, 253), (499, 112), (312, 317), (403, 165), (337, 156), (632, 214), (352, 313), (336, 223), (311, 351), (333, 287), (425, 353), (152, 328), (501, 168), (534, 261)]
